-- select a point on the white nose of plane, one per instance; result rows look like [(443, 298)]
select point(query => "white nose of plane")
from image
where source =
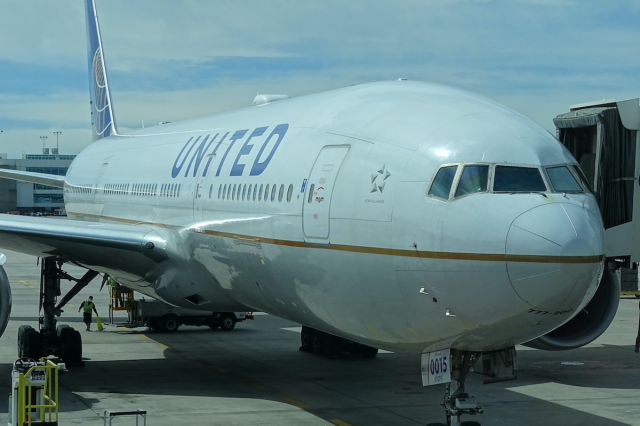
[(554, 256)]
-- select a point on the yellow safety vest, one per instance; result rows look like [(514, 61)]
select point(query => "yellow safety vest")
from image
[(88, 307)]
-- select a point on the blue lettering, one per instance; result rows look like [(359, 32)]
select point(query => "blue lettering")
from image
[(238, 168), (176, 168), (239, 134), (205, 172), (198, 155), (259, 166)]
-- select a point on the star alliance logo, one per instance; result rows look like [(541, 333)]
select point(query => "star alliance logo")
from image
[(379, 179)]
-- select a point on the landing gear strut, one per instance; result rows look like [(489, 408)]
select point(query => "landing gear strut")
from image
[(456, 401), (52, 339), (325, 344)]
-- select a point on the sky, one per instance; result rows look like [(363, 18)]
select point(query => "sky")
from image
[(170, 60)]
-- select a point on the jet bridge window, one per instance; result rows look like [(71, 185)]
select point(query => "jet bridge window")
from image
[(562, 180), (474, 179), (518, 179), (441, 186)]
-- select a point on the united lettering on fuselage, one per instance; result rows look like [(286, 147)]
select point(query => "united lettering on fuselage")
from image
[(190, 161)]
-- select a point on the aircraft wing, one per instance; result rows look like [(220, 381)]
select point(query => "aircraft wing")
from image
[(132, 248), (55, 181)]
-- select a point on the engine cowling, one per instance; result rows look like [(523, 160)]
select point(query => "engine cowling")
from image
[(5, 299), (589, 323)]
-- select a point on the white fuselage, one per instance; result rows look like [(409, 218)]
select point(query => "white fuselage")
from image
[(349, 242)]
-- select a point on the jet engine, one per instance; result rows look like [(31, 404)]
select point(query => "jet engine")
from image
[(589, 323), (5, 299)]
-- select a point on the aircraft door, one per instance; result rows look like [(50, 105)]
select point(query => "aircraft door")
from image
[(319, 189), (98, 194)]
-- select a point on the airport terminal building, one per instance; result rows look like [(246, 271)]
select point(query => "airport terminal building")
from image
[(27, 198)]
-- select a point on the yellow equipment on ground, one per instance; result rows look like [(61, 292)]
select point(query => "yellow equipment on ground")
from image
[(34, 398)]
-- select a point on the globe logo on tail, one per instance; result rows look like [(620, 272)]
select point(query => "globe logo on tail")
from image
[(101, 108)]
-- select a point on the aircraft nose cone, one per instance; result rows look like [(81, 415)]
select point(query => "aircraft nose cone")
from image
[(554, 256)]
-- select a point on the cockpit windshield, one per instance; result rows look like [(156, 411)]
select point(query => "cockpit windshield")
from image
[(474, 179), (518, 179)]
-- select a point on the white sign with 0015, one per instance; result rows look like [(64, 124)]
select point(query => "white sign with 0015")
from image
[(436, 367)]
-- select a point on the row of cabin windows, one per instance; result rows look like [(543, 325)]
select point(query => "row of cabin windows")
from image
[(136, 190), (476, 178), (77, 189), (253, 192)]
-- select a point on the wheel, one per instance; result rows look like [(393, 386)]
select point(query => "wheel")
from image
[(154, 324), (71, 341), (228, 322), (31, 345), (170, 323), (306, 337), (22, 331)]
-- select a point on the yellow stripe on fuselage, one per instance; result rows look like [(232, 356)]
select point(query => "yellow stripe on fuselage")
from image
[(480, 257)]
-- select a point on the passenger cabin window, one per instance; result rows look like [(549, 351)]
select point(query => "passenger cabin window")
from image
[(474, 179), (441, 186), (562, 180), (518, 179)]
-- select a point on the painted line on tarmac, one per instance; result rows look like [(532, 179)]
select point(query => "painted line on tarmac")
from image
[(26, 283)]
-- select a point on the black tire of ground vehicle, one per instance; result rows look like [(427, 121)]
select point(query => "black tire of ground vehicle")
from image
[(30, 343), (306, 337), (154, 324), (71, 341), (228, 322), (169, 323)]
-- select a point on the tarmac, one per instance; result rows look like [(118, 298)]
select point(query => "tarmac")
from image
[(255, 375)]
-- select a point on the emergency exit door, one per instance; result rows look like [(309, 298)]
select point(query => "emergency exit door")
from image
[(317, 202)]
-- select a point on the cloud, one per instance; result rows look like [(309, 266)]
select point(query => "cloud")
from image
[(169, 61)]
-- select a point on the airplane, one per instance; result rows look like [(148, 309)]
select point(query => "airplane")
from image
[(399, 215)]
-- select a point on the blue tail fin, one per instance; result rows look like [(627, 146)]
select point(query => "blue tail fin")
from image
[(102, 118)]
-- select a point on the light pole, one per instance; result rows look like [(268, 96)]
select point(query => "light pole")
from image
[(57, 133), (44, 140)]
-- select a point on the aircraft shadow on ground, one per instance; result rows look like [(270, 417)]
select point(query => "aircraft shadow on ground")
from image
[(244, 364)]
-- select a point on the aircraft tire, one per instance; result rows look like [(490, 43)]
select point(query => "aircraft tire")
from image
[(31, 345), (71, 341)]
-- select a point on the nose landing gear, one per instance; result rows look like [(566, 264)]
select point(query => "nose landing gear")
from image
[(52, 339), (457, 401)]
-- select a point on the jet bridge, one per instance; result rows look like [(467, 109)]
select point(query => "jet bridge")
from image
[(604, 138)]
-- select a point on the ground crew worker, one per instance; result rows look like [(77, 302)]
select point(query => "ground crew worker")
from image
[(87, 307), (116, 292)]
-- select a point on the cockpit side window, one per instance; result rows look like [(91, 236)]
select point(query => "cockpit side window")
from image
[(562, 180), (474, 179), (583, 178), (441, 186), (518, 179)]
